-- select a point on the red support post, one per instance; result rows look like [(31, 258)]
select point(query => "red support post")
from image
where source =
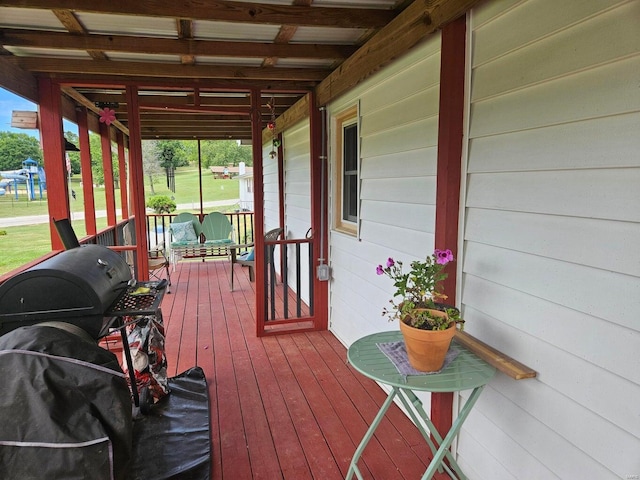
[(318, 214), (137, 182), (52, 139), (122, 170), (86, 172), (450, 136), (107, 165), (258, 203)]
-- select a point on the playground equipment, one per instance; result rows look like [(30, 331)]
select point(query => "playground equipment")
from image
[(30, 172)]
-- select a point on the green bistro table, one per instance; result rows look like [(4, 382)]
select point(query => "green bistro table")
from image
[(467, 371)]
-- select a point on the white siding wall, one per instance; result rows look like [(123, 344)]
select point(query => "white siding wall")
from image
[(271, 189), (551, 271), (398, 130), (297, 180)]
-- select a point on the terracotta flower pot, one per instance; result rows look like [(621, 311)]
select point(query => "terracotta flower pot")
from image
[(427, 349)]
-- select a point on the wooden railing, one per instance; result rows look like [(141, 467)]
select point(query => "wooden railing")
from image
[(290, 294), (158, 228), (109, 237)]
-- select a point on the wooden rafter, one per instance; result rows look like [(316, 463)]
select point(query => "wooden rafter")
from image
[(185, 32), (120, 68), (184, 46), (71, 23), (224, 11), (186, 91)]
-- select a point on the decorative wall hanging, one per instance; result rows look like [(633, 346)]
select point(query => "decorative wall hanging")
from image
[(107, 112), (107, 116), (275, 142)]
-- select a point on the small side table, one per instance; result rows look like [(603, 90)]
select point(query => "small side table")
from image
[(466, 372)]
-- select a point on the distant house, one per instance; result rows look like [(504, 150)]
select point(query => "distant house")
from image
[(228, 171), (245, 176)]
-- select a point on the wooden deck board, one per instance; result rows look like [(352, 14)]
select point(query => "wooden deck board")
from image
[(285, 406)]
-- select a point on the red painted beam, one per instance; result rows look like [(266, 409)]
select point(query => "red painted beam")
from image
[(137, 182), (122, 169), (318, 214), (87, 172), (258, 202), (450, 136), (107, 166), (50, 109)]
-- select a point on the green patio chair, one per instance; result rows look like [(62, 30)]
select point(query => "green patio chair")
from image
[(217, 230), (185, 231)]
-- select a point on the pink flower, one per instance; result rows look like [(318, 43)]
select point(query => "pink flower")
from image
[(390, 262), (107, 115), (443, 256), (380, 270)]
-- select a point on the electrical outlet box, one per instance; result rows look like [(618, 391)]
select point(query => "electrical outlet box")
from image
[(323, 272)]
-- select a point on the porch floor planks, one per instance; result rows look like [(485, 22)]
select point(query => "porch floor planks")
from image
[(285, 406), (375, 456)]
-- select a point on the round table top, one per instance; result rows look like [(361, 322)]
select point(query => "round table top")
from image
[(465, 372)]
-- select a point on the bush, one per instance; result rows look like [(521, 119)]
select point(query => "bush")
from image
[(161, 204)]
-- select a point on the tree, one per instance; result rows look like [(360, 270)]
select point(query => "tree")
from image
[(95, 145), (225, 152), (151, 162), (171, 153), (161, 204), (15, 148), (74, 157)]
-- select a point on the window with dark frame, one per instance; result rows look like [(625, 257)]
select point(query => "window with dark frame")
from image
[(350, 173), (346, 175)]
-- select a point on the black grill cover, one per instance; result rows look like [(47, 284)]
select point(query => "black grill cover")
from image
[(76, 286), (65, 408)]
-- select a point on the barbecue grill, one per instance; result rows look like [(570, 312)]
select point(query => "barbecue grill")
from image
[(84, 286)]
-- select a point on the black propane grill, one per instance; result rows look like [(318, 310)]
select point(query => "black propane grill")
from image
[(85, 286)]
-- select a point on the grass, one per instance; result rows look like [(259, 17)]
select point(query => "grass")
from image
[(20, 245), (187, 192)]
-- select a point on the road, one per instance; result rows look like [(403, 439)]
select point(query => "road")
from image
[(37, 219)]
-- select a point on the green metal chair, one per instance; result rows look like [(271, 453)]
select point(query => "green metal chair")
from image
[(185, 231), (217, 230)]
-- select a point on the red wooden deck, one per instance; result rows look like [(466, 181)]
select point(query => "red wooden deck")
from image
[(282, 407)]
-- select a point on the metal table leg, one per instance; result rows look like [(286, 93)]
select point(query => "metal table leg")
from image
[(453, 432), (353, 466), (130, 369)]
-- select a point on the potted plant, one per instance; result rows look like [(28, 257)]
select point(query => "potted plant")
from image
[(427, 324)]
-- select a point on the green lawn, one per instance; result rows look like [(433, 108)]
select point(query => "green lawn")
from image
[(187, 192), (20, 245)]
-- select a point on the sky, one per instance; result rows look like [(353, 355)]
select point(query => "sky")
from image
[(10, 102)]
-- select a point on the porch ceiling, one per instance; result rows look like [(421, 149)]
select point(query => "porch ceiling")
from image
[(196, 61)]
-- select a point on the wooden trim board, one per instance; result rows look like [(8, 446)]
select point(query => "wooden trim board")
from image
[(502, 362)]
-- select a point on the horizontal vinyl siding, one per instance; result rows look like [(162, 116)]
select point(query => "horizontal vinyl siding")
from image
[(271, 190), (551, 267), (297, 179), (398, 110), (398, 132)]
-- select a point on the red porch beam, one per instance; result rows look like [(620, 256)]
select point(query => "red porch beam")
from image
[(450, 136), (86, 172), (137, 182), (318, 213), (258, 208), (122, 169), (107, 166), (51, 137)]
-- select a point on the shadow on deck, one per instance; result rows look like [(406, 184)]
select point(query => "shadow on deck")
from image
[(282, 407)]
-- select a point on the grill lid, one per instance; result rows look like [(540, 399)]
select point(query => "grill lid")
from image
[(77, 285)]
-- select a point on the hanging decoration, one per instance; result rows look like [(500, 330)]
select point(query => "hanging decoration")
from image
[(107, 112), (107, 116), (275, 143)]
